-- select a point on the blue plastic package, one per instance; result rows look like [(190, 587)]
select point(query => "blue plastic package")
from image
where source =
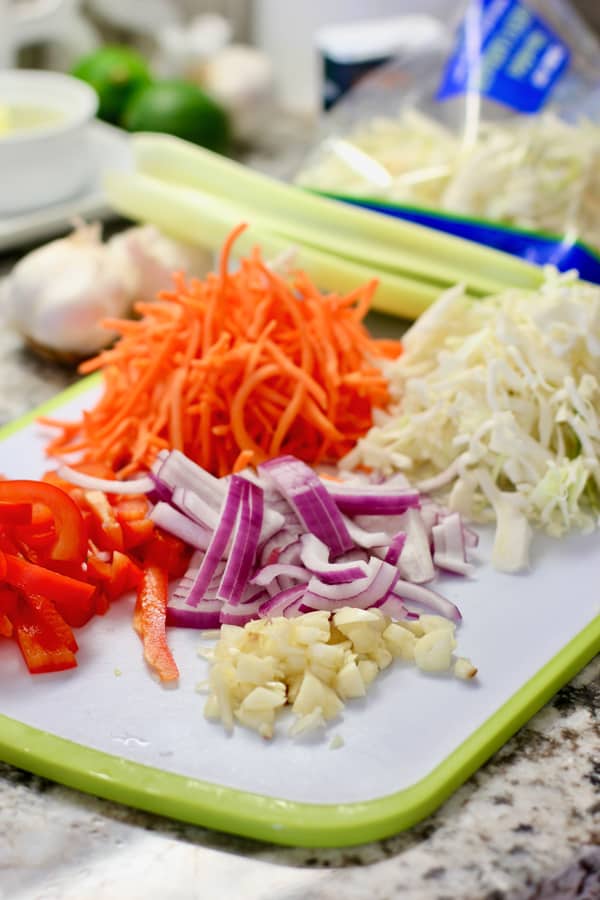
[(492, 134)]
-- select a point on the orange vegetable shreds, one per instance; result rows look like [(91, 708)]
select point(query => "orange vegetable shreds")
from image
[(233, 370)]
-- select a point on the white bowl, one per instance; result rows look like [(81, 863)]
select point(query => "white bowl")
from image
[(51, 162)]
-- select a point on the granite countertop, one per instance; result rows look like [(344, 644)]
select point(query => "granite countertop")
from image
[(525, 826)]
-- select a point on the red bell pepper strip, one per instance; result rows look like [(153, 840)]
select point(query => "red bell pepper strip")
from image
[(167, 552), (16, 512), (6, 628), (106, 529), (42, 649), (72, 598), (116, 577), (137, 533), (71, 535), (49, 616), (151, 618)]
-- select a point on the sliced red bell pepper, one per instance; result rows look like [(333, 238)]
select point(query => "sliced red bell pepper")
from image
[(42, 649), (49, 616), (115, 578), (138, 533), (151, 618), (6, 628), (168, 552), (106, 530), (16, 512), (9, 600), (73, 598), (132, 509), (71, 535)]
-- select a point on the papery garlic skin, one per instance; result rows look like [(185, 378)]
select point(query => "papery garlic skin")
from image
[(58, 294), (155, 256)]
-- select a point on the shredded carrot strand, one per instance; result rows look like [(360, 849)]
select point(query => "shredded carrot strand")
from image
[(231, 370)]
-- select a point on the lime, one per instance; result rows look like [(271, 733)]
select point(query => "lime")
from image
[(179, 108), (116, 73)]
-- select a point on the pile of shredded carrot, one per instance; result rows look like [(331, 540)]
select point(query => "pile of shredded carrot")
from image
[(232, 370)]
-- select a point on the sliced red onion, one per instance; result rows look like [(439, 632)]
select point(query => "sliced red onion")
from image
[(274, 519), (159, 491), (166, 516), (269, 551), (220, 539), (415, 563), (141, 485), (395, 548), (292, 553), (315, 556), (241, 613), (373, 500), (394, 607), (310, 500), (470, 537), (366, 592), (364, 538), (268, 574), (178, 471), (182, 615), (244, 543), (196, 508), (424, 596), (449, 550), (285, 603)]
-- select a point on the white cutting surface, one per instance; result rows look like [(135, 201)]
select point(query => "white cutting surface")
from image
[(406, 726)]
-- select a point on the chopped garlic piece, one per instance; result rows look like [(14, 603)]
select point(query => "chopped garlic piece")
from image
[(314, 663), (433, 651), (464, 668)]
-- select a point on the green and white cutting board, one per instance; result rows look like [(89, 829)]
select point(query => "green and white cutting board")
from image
[(110, 729)]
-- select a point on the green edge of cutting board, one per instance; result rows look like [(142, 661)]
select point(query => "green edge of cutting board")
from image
[(267, 818)]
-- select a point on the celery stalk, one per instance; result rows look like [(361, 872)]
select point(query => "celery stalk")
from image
[(367, 237), (198, 217)]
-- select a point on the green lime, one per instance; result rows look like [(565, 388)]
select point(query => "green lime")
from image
[(179, 108), (115, 73)]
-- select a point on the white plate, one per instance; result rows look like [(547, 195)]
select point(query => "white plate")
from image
[(111, 150)]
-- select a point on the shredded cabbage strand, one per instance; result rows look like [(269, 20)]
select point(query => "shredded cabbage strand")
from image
[(533, 172), (496, 406)]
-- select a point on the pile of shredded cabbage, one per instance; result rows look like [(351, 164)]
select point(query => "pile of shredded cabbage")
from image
[(534, 172), (496, 406)]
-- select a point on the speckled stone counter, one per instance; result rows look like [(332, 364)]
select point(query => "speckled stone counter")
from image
[(526, 826)]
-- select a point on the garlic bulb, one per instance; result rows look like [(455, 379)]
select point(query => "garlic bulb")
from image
[(155, 257), (58, 295)]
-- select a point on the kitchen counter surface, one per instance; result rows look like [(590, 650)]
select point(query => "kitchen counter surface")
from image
[(526, 826)]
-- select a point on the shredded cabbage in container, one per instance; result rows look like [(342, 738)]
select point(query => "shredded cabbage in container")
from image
[(535, 172), (496, 407)]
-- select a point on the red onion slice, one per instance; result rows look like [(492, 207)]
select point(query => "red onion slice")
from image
[(315, 556), (372, 501), (182, 615), (220, 539), (285, 603), (424, 596), (310, 500), (244, 543), (166, 516), (142, 485), (361, 594), (449, 550), (178, 471)]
